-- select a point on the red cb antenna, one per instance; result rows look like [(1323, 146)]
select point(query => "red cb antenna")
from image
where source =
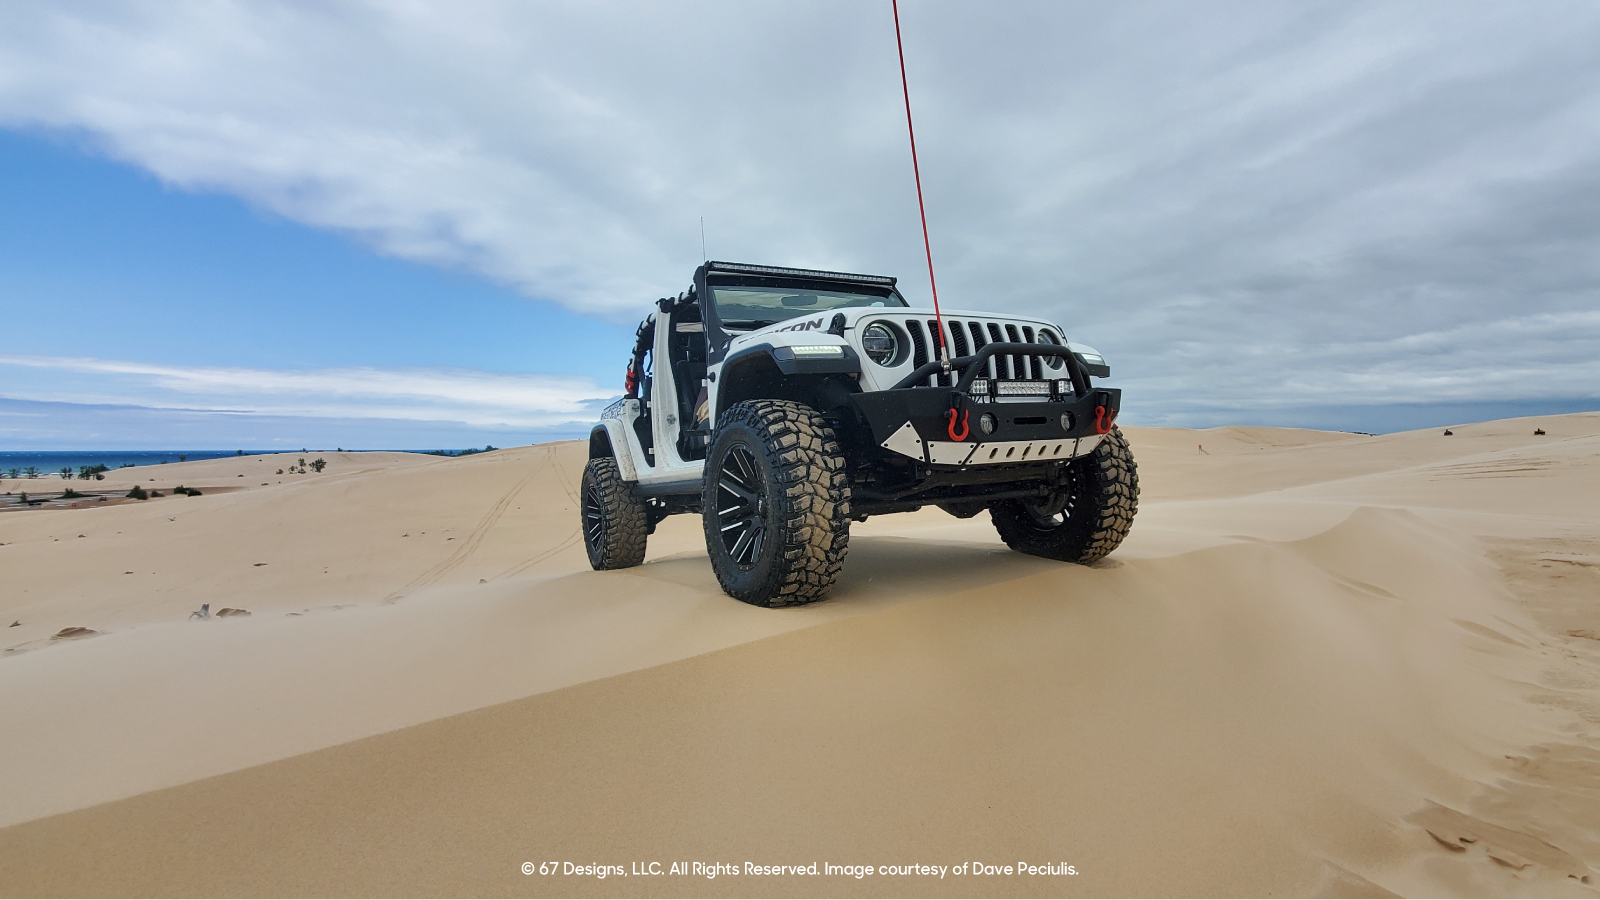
[(944, 352)]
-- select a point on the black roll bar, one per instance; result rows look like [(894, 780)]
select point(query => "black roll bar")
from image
[(973, 364)]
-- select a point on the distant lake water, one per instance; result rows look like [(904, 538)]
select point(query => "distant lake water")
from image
[(51, 462)]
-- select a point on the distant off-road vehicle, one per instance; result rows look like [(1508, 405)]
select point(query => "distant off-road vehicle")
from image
[(781, 404)]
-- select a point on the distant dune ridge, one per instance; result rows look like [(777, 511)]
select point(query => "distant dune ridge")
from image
[(1323, 663)]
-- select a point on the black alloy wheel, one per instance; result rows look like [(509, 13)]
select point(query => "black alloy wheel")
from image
[(742, 506), (775, 503), (1087, 518), (615, 525)]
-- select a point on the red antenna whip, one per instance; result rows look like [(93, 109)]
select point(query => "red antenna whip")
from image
[(944, 352)]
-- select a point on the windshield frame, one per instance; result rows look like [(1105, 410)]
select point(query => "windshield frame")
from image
[(707, 279), (887, 293)]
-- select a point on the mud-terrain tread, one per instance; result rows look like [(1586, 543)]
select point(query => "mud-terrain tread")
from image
[(814, 521), (1108, 480), (626, 526)]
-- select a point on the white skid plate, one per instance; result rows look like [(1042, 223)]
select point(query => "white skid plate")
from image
[(971, 453)]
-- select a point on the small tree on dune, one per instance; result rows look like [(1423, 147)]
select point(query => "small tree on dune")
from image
[(319, 464)]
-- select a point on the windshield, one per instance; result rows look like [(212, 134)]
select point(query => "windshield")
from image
[(755, 306)]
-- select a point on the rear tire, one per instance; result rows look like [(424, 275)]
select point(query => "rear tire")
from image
[(614, 523), (776, 504), (1089, 520)]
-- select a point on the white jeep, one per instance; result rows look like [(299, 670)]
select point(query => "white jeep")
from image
[(780, 404)]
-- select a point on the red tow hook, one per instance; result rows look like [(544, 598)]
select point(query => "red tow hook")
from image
[(952, 415), (1102, 419)]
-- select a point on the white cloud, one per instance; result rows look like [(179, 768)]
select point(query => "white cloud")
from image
[(471, 397), (1261, 204)]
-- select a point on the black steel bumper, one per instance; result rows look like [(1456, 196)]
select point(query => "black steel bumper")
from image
[(928, 411)]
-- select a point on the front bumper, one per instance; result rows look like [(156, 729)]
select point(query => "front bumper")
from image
[(917, 423)]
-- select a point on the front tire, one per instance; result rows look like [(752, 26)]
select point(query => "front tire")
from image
[(615, 525), (776, 504), (1088, 520)]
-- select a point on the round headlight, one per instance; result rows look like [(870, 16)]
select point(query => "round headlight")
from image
[(1047, 337), (879, 343)]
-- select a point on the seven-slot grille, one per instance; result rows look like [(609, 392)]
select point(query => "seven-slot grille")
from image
[(968, 336)]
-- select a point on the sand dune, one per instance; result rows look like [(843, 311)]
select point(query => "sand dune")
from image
[(1323, 664)]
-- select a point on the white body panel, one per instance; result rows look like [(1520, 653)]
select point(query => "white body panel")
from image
[(617, 419), (665, 466), (812, 329)]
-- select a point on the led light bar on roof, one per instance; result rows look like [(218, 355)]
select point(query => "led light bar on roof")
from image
[(799, 273)]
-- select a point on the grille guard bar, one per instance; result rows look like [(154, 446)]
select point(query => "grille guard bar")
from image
[(972, 364)]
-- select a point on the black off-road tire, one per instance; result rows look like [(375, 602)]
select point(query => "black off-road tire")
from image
[(1101, 500), (776, 504), (614, 522)]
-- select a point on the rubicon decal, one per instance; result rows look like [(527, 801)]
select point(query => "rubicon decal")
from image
[(809, 325)]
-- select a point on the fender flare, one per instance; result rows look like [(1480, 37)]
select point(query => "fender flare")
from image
[(783, 357), (765, 372), (604, 438)]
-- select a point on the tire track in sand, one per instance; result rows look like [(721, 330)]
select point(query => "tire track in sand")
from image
[(467, 546), (566, 485)]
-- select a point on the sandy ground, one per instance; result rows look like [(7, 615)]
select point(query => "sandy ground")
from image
[(1322, 664)]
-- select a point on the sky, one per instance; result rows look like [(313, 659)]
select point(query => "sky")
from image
[(436, 225)]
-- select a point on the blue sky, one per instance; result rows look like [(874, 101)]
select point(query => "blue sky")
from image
[(349, 224), (100, 260), (171, 276)]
